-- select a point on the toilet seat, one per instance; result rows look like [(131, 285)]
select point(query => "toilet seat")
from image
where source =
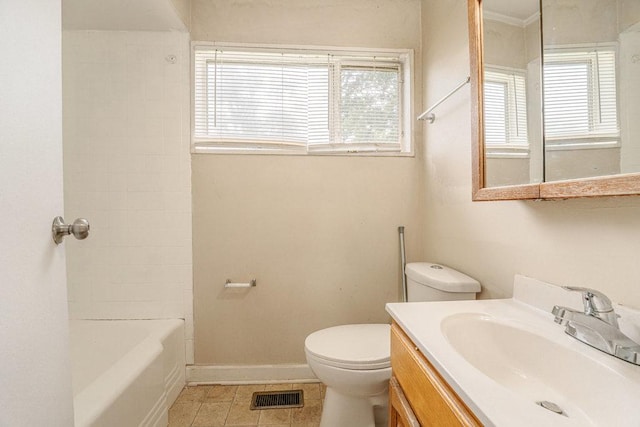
[(357, 347)]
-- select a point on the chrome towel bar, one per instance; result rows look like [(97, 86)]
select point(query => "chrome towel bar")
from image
[(431, 117)]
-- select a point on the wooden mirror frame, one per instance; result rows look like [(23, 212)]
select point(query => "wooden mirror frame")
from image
[(611, 185)]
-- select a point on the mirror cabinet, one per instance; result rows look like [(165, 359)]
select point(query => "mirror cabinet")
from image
[(555, 97)]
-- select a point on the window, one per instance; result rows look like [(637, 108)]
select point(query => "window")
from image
[(505, 108), (300, 101), (580, 104)]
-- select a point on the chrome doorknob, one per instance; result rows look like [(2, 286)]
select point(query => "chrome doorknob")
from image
[(79, 229)]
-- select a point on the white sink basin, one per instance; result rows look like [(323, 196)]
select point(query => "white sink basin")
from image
[(503, 356), (538, 369)]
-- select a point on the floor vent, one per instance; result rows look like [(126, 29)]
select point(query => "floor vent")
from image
[(277, 399)]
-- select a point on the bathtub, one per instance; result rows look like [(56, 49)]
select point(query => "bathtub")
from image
[(126, 372)]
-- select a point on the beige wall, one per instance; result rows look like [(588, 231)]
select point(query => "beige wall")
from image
[(579, 21), (510, 171), (354, 23), (318, 233), (505, 45), (570, 164), (183, 10), (588, 242), (629, 68), (628, 14), (532, 41)]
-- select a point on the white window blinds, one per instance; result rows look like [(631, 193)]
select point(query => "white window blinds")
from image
[(580, 93), (291, 100), (505, 107)]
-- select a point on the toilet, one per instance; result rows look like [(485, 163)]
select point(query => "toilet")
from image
[(353, 361)]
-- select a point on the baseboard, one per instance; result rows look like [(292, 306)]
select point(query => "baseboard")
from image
[(249, 374)]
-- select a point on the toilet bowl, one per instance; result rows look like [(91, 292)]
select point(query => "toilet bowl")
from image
[(353, 361)]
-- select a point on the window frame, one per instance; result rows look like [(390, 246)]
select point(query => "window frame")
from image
[(593, 139), (406, 106), (510, 149)]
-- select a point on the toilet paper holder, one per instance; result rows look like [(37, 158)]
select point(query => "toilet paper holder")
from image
[(230, 284)]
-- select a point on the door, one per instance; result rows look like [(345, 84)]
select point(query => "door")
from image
[(35, 379)]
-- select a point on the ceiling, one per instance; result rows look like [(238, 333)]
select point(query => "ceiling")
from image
[(120, 15), (521, 10)]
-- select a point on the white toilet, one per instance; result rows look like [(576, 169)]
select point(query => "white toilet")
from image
[(354, 360)]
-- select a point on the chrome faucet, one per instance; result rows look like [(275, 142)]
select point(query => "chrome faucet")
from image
[(597, 326), (596, 304)]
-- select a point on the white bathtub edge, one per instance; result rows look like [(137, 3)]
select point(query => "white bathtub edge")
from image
[(140, 386), (249, 374), (90, 403), (175, 374), (158, 416)]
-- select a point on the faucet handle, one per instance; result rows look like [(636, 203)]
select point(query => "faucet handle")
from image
[(596, 304), (562, 314)]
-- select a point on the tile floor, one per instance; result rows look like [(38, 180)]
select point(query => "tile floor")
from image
[(228, 405)]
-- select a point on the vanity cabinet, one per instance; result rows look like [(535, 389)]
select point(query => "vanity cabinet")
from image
[(418, 395)]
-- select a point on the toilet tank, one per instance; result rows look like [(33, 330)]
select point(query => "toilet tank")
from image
[(435, 282)]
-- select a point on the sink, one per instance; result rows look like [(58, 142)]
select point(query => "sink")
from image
[(539, 369), (506, 357)]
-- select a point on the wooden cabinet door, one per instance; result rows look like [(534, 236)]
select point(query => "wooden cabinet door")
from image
[(401, 414), (432, 400)]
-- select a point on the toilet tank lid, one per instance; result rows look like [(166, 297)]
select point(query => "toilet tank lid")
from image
[(441, 277)]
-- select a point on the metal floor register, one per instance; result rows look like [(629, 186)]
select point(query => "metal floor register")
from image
[(277, 399)]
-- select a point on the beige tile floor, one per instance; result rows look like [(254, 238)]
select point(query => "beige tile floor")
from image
[(227, 405)]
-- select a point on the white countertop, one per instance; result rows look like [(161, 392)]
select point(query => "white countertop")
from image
[(494, 403)]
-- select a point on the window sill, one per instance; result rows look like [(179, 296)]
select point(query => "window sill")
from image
[(285, 152), (595, 145), (507, 152)]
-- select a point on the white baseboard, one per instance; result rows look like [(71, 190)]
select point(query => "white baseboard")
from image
[(249, 374)]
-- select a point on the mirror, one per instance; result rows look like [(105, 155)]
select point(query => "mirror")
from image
[(591, 88), (511, 82), (587, 76)]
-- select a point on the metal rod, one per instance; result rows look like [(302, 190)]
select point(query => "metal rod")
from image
[(403, 260), (230, 284), (432, 117)]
